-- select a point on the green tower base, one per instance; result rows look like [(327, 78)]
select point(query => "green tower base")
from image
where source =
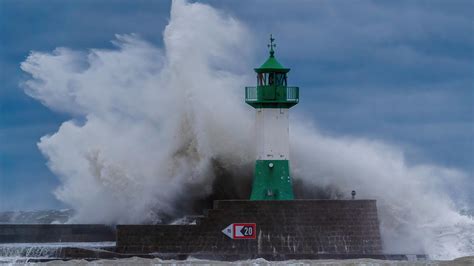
[(272, 181)]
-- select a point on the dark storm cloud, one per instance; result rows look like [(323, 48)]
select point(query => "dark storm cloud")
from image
[(399, 71), (395, 70)]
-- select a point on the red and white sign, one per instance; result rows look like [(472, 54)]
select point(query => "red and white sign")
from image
[(241, 231)]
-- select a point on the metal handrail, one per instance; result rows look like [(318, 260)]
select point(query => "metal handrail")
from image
[(251, 93), (292, 94)]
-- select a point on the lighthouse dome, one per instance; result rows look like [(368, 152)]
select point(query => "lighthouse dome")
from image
[(271, 65)]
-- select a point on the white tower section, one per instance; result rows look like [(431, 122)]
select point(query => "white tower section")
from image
[(272, 128)]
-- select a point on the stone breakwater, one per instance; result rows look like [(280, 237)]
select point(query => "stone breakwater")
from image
[(284, 229), (48, 233), (281, 230)]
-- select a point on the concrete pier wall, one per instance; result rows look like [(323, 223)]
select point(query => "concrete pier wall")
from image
[(285, 228), (42, 233)]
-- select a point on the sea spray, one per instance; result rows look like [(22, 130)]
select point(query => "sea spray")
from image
[(20, 253), (156, 131), (154, 125)]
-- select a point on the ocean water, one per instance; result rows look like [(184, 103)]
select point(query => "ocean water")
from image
[(23, 252), (192, 261), (365, 262), (176, 141), (49, 254), (36, 217)]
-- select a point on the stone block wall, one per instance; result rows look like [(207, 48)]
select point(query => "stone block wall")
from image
[(284, 228), (42, 233)]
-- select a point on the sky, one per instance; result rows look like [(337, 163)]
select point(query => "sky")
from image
[(397, 71)]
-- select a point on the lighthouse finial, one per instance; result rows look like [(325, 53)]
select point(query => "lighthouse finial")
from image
[(271, 45)]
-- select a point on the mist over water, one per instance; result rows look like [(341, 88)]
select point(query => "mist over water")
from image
[(159, 132)]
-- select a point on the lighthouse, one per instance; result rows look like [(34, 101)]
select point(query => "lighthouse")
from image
[(272, 98), (271, 225)]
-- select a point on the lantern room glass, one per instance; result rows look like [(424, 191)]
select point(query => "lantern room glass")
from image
[(271, 79)]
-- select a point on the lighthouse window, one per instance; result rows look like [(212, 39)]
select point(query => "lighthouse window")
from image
[(262, 78), (280, 79), (271, 78)]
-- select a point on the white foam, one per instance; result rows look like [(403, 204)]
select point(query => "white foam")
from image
[(22, 252), (151, 124)]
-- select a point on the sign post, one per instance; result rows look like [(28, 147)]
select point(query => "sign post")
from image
[(241, 231)]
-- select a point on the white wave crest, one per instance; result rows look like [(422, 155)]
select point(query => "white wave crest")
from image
[(153, 128)]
